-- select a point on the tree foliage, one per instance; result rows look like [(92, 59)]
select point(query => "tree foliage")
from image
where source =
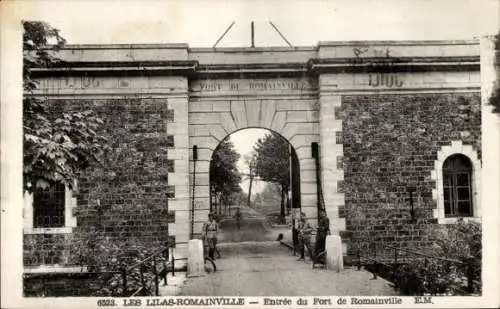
[(267, 201), (224, 175), (495, 97), (273, 163), (58, 144)]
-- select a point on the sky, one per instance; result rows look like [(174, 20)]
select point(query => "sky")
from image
[(243, 141), (200, 23)]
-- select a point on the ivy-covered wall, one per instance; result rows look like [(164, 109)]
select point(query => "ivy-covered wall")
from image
[(390, 143), (123, 200)]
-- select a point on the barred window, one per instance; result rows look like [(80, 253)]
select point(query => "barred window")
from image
[(339, 138), (457, 179), (170, 141), (341, 211), (170, 191), (170, 166), (49, 205)]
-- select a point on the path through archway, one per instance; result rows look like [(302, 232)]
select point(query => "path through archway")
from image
[(254, 185)]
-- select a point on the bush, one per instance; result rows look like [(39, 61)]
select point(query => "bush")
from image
[(460, 241), (108, 255)]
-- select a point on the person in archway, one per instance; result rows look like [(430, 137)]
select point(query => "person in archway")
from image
[(210, 230), (304, 237), (238, 217), (322, 231)]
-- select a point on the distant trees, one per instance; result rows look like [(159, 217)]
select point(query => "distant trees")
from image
[(273, 164), (57, 145), (224, 175), (268, 200)]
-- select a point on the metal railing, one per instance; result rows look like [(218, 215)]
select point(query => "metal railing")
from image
[(149, 272), (394, 259), (143, 268)]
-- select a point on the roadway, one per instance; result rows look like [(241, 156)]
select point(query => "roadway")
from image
[(253, 263)]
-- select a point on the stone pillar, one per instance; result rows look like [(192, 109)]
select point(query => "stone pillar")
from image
[(179, 177), (490, 150), (196, 263), (334, 256), (332, 156)]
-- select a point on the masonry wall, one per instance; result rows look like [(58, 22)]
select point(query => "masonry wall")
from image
[(124, 200), (287, 106), (391, 142)]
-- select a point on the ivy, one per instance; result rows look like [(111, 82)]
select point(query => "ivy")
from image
[(58, 142)]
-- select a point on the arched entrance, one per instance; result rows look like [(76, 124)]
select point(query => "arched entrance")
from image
[(217, 109), (254, 185)]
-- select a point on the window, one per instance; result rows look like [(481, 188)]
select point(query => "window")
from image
[(341, 211), (50, 210), (457, 179), (170, 166), (338, 138), (170, 141), (49, 205), (170, 191)]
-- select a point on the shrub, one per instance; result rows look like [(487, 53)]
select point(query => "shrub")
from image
[(460, 241), (106, 256)]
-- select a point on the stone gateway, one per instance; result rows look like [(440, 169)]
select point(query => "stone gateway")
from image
[(392, 119)]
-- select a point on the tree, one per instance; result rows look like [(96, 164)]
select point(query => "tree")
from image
[(224, 175), (58, 144), (495, 97), (267, 200), (273, 164), (250, 161)]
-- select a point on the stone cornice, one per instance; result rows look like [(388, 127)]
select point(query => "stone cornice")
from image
[(253, 70), (396, 64), (176, 67), (312, 67), (399, 43)]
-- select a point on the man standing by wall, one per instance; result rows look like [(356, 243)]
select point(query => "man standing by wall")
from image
[(322, 232), (305, 231), (210, 230)]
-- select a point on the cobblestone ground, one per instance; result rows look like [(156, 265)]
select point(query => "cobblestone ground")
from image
[(267, 268)]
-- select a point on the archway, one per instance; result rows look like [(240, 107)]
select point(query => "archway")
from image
[(254, 185), (212, 119)]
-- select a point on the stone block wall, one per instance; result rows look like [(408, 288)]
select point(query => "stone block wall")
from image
[(391, 142), (124, 200), (213, 119), (61, 285), (48, 249)]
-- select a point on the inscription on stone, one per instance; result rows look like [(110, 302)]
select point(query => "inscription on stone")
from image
[(384, 62), (384, 80), (210, 86), (250, 84)]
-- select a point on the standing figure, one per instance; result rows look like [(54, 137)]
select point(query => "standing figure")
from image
[(210, 230), (305, 232), (322, 232), (238, 217)]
